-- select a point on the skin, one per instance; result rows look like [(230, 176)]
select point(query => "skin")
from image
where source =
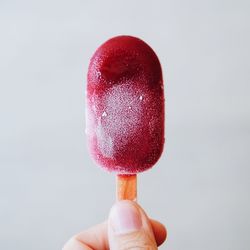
[(98, 238)]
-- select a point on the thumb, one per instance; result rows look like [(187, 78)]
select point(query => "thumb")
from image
[(129, 227)]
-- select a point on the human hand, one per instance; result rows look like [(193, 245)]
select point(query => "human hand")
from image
[(128, 227)]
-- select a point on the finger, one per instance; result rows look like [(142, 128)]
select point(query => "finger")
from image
[(159, 230), (130, 228), (96, 237), (74, 244)]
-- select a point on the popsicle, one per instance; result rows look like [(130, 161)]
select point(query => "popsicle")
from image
[(125, 110)]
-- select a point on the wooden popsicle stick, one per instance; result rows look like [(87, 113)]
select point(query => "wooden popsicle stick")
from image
[(126, 187)]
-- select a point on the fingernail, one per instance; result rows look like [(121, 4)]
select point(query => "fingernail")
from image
[(125, 217)]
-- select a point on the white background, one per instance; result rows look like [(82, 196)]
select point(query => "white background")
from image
[(49, 187)]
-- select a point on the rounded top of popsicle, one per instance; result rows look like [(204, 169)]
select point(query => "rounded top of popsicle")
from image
[(124, 58), (125, 106)]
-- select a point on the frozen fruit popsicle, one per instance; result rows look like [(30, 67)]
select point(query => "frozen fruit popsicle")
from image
[(125, 108)]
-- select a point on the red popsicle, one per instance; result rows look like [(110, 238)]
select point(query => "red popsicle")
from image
[(125, 106)]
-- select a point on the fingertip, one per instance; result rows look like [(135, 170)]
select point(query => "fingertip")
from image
[(160, 231)]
